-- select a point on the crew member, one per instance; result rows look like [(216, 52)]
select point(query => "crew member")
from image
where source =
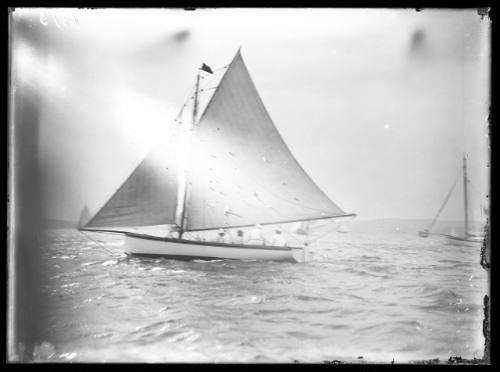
[(222, 237), (240, 239), (278, 240), (257, 236)]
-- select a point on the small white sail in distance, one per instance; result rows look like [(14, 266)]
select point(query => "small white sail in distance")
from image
[(84, 216)]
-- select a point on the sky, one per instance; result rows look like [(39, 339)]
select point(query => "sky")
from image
[(377, 105)]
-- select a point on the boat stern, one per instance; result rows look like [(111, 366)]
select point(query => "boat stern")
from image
[(299, 254)]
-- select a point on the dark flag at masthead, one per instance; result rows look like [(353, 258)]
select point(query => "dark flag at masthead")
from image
[(206, 68)]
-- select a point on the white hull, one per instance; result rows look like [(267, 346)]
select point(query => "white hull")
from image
[(464, 241), (185, 249)]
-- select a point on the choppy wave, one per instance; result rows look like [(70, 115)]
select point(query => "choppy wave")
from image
[(355, 296)]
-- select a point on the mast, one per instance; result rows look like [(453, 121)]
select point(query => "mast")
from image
[(195, 105), (466, 205), (238, 139), (185, 184)]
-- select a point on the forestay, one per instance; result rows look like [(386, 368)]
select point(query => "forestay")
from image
[(242, 172)]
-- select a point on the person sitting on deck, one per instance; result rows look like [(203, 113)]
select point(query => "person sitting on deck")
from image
[(239, 237), (278, 240), (256, 236), (223, 237)]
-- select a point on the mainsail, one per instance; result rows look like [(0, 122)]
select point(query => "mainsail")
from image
[(148, 197), (242, 172)]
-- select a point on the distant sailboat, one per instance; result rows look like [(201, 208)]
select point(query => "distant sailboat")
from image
[(84, 217), (467, 238), (230, 169)]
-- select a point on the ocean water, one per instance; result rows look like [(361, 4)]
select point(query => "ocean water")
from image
[(359, 297)]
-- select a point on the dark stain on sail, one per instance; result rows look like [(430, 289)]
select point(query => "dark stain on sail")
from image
[(181, 35), (418, 44), (417, 39)]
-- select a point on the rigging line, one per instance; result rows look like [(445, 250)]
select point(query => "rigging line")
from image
[(212, 78), (320, 225), (185, 101), (96, 241), (290, 234), (221, 68), (214, 72), (325, 234), (338, 222), (445, 201), (188, 94)]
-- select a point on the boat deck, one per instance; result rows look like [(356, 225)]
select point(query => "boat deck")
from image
[(211, 243)]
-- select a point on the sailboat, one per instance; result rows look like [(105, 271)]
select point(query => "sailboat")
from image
[(84, 217), (467, 238), (227, 168)]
